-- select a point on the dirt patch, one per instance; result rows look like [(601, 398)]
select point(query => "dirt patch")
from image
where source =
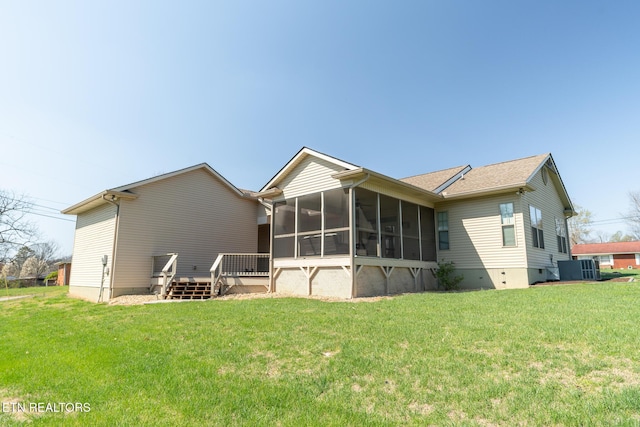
[(16, 407), (421, 408), (16, 297), (578, 282), (621, 279), (148, 299), (133, 299)]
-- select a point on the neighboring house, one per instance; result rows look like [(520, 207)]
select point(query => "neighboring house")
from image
[(332, 228), (194, 212), (620, 255), (64, 273)]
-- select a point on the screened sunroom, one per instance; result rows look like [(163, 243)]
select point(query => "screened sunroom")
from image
[(317, 225), (352, 242)]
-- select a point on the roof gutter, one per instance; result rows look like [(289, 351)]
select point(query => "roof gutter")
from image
[(97, 200), (268, 194), (520, 189), (367, 174), (362, 181)]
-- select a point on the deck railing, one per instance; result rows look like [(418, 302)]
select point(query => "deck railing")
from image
[(167, 272), (239, 265)]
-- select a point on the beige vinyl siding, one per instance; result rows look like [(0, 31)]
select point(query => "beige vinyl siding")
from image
[(546, 199), (310, 176), (193, 214), (475, 234), (93, 239)]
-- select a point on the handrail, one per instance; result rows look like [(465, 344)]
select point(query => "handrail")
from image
[(217, 264), (239, 265), (169, 272)]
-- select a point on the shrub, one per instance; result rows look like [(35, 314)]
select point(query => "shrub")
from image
[(445, 276)]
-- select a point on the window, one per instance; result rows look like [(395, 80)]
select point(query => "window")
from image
[(366, 223), (312, 225), (508, 224), (605, 259), (427, 234), (389, 227), (309, 213), (637, 259), (410, 231), (561, 234), (536, 227), (284, 228), (443, 230), (336, 222)]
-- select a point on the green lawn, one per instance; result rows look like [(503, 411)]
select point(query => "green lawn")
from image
[(618, 274), (35, 290), (548, 355)]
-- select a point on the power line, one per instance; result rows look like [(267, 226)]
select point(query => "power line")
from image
[(614, 220), (52, 201), (50, 216)]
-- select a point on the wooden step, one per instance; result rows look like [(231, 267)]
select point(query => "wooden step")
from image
[(188, 288)]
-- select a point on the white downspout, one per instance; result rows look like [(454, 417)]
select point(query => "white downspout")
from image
[(113, 201)]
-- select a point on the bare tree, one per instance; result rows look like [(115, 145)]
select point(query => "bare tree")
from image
[(580, 226), (15, 229), (600, 237), (633, 217)]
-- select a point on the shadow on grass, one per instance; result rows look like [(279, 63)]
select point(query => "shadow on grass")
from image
[(617, 274)]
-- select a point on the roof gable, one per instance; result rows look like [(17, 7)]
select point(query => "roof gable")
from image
[(168, 175), (124, 192), (297, 159)]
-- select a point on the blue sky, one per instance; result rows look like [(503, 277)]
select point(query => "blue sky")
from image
[(97, 94)]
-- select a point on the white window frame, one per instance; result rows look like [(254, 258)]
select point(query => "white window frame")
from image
[(561, 236), (443, 227), (535, 217), (508, 222)]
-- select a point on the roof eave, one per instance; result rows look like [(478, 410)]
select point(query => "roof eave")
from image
[(362, 173), (97, 200), (518, 188), (269, 193), (203, 166)]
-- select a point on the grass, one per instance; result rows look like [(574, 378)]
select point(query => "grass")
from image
[(34, 290), (607, 274), (548, 355)]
